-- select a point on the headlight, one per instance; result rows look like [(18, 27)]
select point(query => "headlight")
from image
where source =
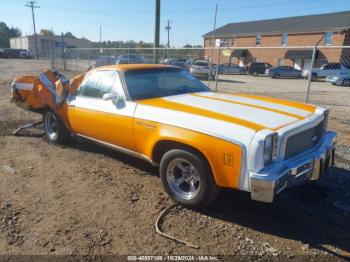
[(270, 148), (325, 120)]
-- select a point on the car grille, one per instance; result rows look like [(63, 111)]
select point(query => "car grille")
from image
[(303, 141)]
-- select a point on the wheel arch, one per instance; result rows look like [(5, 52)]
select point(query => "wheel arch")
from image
[(164, 145)]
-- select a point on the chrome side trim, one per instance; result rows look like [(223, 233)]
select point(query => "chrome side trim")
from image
[(120, 149)]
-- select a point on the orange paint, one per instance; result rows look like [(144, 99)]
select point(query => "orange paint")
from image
[(130, 67), (111, 128), (302, 106), (148, 133), (161, 103)]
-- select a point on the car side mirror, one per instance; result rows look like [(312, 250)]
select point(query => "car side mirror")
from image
[(109, 96), (117, 99), (114, 96)]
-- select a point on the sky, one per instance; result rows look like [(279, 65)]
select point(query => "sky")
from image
[(134, 19)]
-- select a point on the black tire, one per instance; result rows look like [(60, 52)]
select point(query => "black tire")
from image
[(55, 129), (207, 190), (314, 76), (275, 75), (346, 82)]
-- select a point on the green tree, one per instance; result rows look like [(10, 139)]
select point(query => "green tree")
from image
[(47, 32), (6, 33), (70, 35)]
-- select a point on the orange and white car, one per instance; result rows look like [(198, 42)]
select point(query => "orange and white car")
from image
[(202, 140)]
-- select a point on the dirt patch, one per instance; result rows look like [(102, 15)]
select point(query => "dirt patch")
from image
[(10, 224), (8, 127)]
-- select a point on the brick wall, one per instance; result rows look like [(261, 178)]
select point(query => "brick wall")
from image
[(273, 55)]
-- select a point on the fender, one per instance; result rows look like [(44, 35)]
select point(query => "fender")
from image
[(225, 158)]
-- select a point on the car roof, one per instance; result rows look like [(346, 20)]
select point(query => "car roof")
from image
[(129, 67)]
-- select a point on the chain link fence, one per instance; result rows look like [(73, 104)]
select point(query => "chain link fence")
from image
[(287, 72)]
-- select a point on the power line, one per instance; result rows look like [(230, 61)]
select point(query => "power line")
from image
[(32, 5)]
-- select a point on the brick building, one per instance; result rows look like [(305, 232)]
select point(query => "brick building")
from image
[(292, 39)]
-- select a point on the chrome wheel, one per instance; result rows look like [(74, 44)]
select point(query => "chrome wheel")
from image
[(50, 124), (183, 179)]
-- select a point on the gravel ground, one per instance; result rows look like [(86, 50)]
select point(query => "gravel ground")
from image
[(83, 199)]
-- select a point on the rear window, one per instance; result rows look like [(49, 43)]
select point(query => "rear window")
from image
[(201, 63)]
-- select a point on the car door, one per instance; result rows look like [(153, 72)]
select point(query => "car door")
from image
[(292, 72), (92, 116), (282, 72)]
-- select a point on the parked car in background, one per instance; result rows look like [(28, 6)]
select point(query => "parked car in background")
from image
[(341, 80), (183, 63), (24, 54), (14, 53), (104, 60), (130, 59), (283, 72), (230, 69), (258, 68), (327, 70), (202, 68)]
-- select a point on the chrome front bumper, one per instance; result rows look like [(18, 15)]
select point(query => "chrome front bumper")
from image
[(309, 165)]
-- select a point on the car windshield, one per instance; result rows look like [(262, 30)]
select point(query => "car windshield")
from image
[(152, 83)]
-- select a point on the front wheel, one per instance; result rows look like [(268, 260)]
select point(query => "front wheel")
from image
[(187, 178), (54, 128)]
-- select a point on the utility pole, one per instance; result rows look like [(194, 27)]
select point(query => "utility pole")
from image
[(168, 28), (32, 5), (212, 42), (156, 31)]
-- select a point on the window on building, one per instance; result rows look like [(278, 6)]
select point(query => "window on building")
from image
[(233, 41), (224, 42), (284, 39), (328, 38), (258, 39)]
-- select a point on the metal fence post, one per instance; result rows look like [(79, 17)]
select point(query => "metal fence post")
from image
[(217, 69), (314, 50), (64, 60), (89, 57), (128, 55), (76, 60)]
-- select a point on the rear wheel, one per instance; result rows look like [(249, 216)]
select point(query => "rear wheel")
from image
[(276, 75), (187, 178), (54, 128), (314, 76)]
